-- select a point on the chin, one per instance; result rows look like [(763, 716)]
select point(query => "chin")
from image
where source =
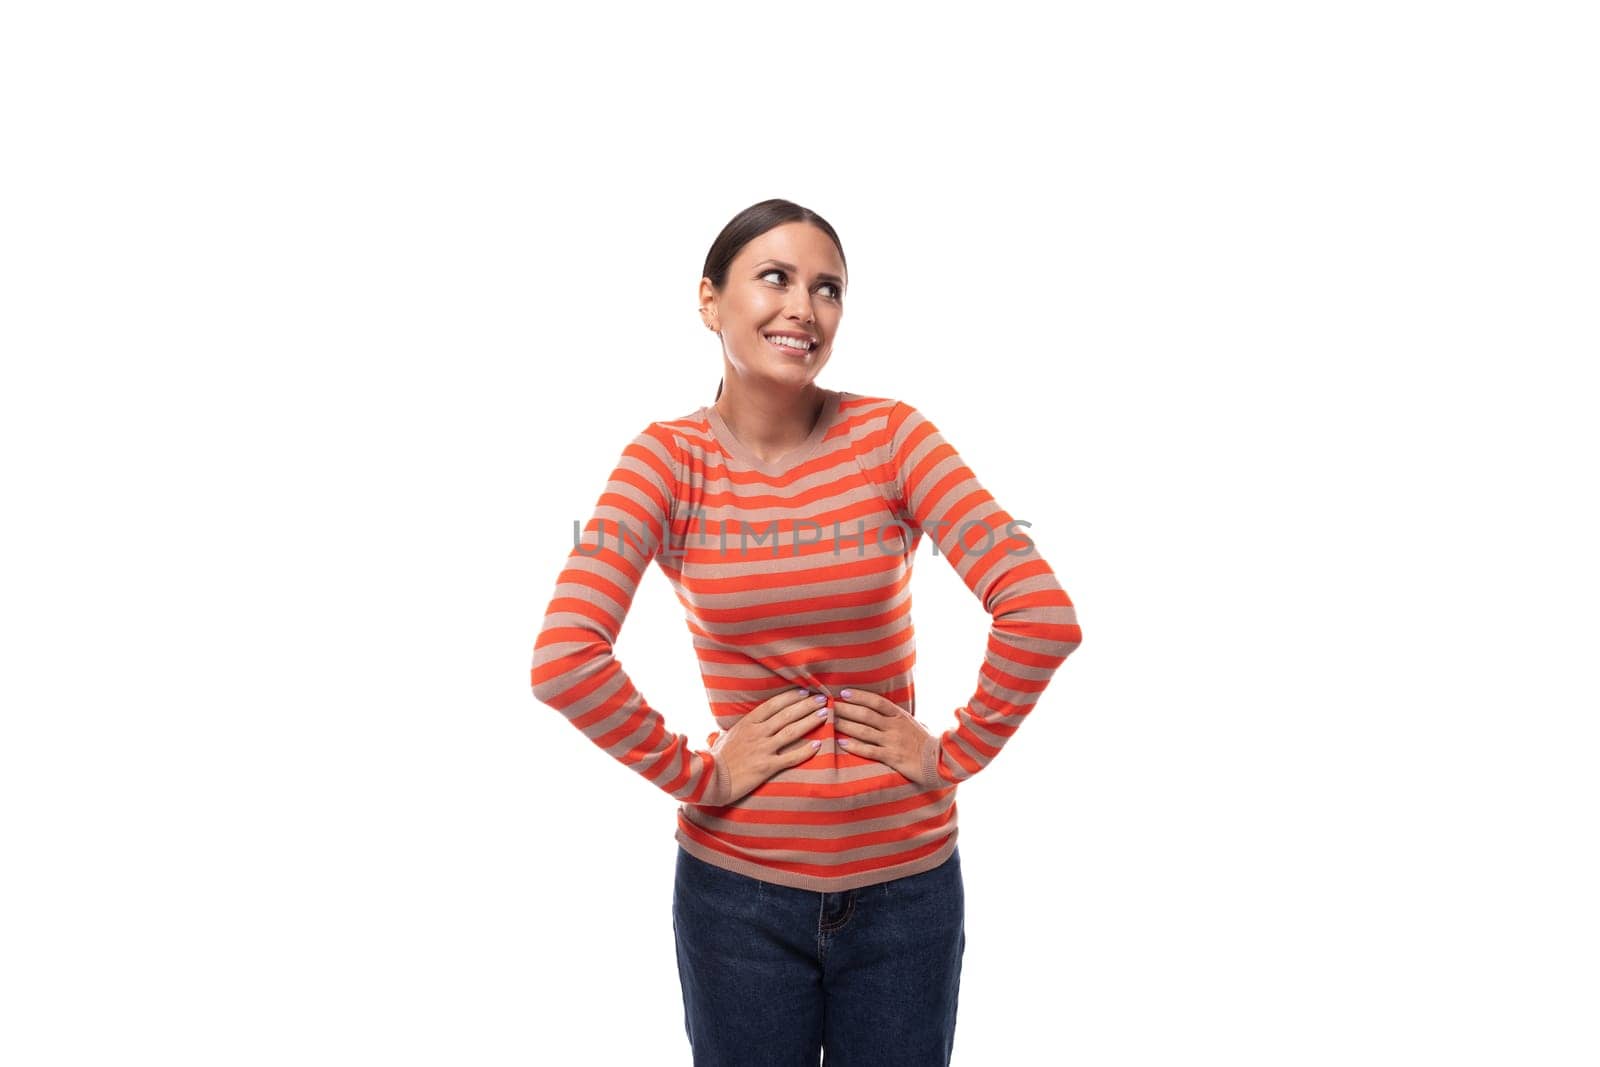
[(794, 377)]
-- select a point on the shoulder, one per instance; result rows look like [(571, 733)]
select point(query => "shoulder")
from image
[(682, 441), (687, 435), (874, 419), (889, 422)]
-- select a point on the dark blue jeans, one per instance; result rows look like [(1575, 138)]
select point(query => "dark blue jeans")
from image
[(774, 976)]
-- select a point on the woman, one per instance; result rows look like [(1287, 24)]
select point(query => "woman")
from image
[(817, 901)]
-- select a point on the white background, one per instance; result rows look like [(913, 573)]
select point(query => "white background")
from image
[(322, 322)]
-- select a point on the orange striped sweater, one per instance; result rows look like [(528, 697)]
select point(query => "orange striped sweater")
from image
[(794, 574)]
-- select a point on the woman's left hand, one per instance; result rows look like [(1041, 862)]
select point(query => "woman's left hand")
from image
[(875, 727)]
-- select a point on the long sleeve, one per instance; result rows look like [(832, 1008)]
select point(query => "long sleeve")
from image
[(575, 668), (1034, 623)]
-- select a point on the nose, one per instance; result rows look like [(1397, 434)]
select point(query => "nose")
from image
[(799, 307)]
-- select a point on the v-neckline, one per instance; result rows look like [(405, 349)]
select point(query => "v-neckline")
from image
[(790, 459)]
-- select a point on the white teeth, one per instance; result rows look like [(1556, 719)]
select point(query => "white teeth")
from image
[(790, 342)]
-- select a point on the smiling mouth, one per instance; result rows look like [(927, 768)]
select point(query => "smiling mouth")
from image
[(792, 349)]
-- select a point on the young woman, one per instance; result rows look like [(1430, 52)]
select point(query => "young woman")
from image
[(817, 902)]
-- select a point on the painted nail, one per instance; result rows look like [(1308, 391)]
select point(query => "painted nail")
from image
[(820, 698), (821, 712), (803, 692), (844, 692), (843, 743), (816, 744)]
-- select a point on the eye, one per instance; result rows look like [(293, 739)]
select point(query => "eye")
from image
[(837, 294)]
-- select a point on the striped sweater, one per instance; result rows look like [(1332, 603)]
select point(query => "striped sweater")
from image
[(796, 573)]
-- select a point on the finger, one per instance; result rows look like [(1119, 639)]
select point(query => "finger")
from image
[(858, 730), (800, 753), (787, 700), (849, 709), (809, 710), (859, 747), (876, 701), (803, 725)]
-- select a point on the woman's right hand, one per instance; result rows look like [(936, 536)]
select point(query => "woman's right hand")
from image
[(757, 746)]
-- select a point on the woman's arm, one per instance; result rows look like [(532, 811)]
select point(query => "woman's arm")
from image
[(1035, 626), (575, 669)]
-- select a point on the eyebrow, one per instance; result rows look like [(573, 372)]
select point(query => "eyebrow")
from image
[(834, 278)]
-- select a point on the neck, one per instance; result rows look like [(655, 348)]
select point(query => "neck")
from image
[(771, 419)]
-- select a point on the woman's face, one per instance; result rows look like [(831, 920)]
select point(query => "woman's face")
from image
[(789, 281)]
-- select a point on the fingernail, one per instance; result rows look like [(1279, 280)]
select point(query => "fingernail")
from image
[(820, 698), (816, 744), (821, 712), (803, 692), (844, 692), (843, 743)]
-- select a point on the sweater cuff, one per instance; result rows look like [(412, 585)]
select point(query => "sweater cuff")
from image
[(930, 763)]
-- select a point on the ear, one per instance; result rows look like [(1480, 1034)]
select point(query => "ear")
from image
[(708, 304)]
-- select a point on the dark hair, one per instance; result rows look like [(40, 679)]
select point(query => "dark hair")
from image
[(751, 223)]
